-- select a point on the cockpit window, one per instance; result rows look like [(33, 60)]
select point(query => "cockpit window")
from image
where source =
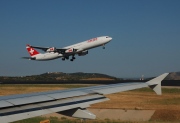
[(107, 37)]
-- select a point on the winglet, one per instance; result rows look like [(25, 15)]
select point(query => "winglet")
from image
[(155, 83)]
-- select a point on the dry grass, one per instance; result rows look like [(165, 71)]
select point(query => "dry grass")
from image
[(166, 115), (21, 89), (147, 100), (167, 106)]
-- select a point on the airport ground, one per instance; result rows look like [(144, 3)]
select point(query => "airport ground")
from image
[(139, 103)]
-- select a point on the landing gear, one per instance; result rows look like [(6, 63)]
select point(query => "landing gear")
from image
[(103, 46), (72, 59), (67, 57), (63, 58)]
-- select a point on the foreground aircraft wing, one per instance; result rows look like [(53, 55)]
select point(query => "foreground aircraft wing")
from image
[(70, 102)]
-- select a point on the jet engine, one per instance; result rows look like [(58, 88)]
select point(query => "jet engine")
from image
[(70, 50), (51, 49), (83, 53)]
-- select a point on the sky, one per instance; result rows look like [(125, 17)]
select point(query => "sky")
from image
[(146, 35)]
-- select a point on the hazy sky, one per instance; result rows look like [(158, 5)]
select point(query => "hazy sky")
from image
[(146, 35)]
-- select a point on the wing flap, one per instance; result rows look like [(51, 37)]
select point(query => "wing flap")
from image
[(79, 113), (32, 110)]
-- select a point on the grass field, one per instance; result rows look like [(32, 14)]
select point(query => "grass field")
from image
[(21, 89), (167, 106)]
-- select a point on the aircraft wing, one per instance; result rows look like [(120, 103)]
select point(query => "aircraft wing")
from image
[(60, 50), (41, 48), (70, 102)]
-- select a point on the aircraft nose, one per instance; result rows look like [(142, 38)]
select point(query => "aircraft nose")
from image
[(110, 38)]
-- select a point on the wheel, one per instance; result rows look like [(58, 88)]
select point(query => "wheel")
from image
[(103, 46), (71, 59), (63, 58)]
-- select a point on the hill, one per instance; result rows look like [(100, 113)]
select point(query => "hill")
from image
[(78, 76), (173, 76), (60, 76)]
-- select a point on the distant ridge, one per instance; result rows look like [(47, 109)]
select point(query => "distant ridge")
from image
[(78, 76), (60, 76), (173, 76)]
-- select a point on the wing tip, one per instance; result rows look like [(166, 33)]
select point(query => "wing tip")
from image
[(155, 83)]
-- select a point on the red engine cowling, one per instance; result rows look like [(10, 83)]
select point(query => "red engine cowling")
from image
[(52, 49), (83, 53)]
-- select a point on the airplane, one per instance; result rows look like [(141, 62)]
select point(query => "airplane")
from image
[(80, 49), (70, 102)]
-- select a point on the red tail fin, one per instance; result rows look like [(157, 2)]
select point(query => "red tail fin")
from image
[(31, 50)]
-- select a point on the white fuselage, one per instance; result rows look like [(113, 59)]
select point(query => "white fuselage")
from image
[(82, 46), (47, 56)]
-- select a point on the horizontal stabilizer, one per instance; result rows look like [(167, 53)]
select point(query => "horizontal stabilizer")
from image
[(26, 57), (155, 83), (30, 58)]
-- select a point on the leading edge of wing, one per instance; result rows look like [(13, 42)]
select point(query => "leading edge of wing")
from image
[(41, 48)]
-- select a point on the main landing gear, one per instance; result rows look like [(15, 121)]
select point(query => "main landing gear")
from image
[(63, 58), (66, 57), (72, 59)]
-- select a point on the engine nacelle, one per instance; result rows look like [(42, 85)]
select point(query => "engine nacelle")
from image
[(70, 50), (83, 53), (52, 49)]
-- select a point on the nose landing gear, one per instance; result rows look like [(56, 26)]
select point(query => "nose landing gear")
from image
[(103, 46)]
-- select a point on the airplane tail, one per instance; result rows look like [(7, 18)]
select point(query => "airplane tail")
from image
[(31, 50), (155, 83)]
